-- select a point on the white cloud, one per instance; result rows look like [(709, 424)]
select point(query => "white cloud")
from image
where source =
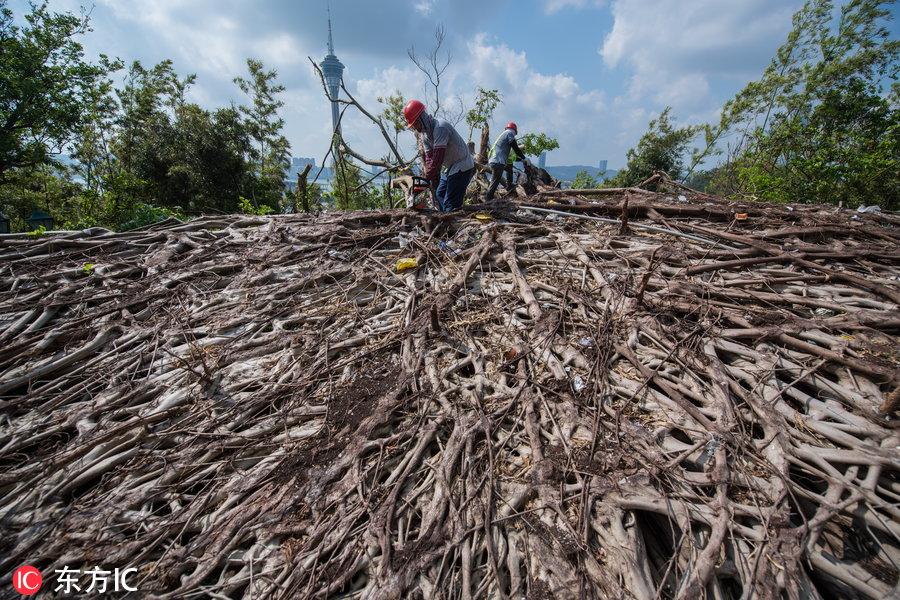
[(362, 133), (407, 80), (674, 49), (554, 103), (279, 48), (210, 40), (691, 55), (424, 7), (671, 33), (152, 12), (553, 6)]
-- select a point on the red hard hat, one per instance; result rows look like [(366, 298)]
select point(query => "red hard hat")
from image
[(513, 126), (413, 111)]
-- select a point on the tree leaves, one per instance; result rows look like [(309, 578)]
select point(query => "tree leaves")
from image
[(583, 181), (533, 144), (486, 101), (270, 151), (662, 148), (142, 152), (820, 124), (44, 80)]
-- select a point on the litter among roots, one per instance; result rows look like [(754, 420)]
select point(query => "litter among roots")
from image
[(657, 401)]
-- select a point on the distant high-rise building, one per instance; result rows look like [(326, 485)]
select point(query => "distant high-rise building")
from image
[(297, 163), (542, 159), (333, 70), (322, 177), (602, 166)]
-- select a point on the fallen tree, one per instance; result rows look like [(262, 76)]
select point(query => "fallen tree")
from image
[(676, 403)]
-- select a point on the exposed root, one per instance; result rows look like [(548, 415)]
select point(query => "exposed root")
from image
[(545, 407)]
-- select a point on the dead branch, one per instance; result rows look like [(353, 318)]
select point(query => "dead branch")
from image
[(433, 65), (351, 101)]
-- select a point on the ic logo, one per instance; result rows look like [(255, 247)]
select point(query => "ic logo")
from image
[(27, 580)]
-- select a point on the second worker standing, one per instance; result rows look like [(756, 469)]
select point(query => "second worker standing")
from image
[(501, 160)]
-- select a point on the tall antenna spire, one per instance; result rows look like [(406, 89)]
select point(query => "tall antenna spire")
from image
[(330, 41), (333, 71)]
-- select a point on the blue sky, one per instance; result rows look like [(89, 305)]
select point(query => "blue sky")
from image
[(590, 72)]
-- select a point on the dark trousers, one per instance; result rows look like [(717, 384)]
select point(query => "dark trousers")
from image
[(452, 190), (497, 172)]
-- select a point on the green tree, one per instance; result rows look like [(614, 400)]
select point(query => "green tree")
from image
[(91, 143), (270, 152), (135, 168), (662, 148), (701, 179), (203, 155), (43, 187), (392, 114), (486, 102), (313, 198), (141, 150), (247, 208), (348, 191), (533, 144), (821, 124), (142, 102), (584, 180), (44, 83), (150, 152)]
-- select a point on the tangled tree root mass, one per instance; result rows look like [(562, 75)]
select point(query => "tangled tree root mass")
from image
[(679, 404)]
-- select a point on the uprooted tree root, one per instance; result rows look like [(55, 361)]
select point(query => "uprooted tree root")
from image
[(545, 407)]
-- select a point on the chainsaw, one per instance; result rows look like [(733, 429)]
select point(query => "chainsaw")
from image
[(415, 188), (416, 197)]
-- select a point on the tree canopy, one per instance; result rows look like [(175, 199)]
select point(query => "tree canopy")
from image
[(486, 102), (584, 180), (822, 123), (533, 144), (45, 83), (661, 148), (139, 149)]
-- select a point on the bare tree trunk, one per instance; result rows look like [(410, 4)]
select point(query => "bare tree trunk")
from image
[(302, 190), (485, 140), (420, 148)]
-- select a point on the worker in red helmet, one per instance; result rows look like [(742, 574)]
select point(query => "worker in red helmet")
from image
[(504, 151), (445, 150)]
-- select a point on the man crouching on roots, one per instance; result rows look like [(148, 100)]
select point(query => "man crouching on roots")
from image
[(444, 147)]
